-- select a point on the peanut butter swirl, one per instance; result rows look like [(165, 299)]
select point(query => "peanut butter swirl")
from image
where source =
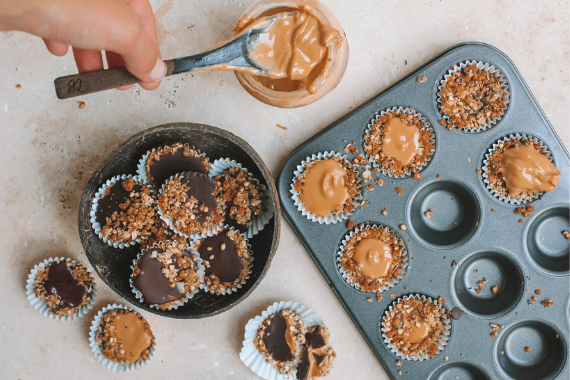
[(401, 141), (374, 257), (324, 188), (134, 335)]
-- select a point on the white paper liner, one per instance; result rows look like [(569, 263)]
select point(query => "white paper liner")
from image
[(141, 166), (254, 359), (42, 307), (96, 348), (217, 228), (506, 198), (490, 69), (139, 296), (219, 166), (333, 218), (443, 337), (403, 263), (93, 218), (426, 125), (228, 290)]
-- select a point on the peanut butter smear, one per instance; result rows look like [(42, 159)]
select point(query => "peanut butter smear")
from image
[(374, 257), (528, 171), (324, 188), (400, 141), (419, 332), (133, 334), (290, 334)]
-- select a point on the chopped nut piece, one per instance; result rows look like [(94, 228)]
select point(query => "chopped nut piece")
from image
[(547, 303), (398, 190), (429, 213), (446, 358), (281, 126), (18, 86), (527, 349), (443, 122), (81, 104), (369, 299), (403, 227), (534, 298), (566, 234), (349, 224), (538, 291), (479, 171), (370, 187), (380, 182), (525, 211), (438, 176), (392, 296), (521, 221), (400, 373), (399, 363), (468, 159), (421, 79), (495, 327), (494, 334), (492, 210), (385, 212)]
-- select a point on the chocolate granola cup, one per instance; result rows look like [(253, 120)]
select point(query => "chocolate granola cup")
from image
[(67, 302), (257, 223), (102, 346), (351, 271), (262, 363), (354, 187), (161, 232), (389, 166), (434, 317), (159, 164), (494, 181), (172, 271), (192, 206), (496, 97), (123, 211), (231, 272)]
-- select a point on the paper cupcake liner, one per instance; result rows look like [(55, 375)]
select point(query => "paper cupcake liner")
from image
[(93, 218), (227, 290), (141, 166), (254, 359), (217, 228), (139, 296), (403, 263), (334, 218), (219, 166), (491, 70), (426, 125), (443, 337), (42, 307), (506, 198), (96, 348)]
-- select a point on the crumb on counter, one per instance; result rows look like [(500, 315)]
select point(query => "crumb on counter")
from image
[(81, 104), (281, 126)]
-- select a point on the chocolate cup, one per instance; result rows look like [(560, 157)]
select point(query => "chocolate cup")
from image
[(113, 266)]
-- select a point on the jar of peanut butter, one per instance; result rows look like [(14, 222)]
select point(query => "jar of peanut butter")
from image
[(318, 45)]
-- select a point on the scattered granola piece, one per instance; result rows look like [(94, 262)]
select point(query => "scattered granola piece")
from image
[(481, 283), (385, 212), (18, 86), (365, 203), (534, 298), (521, 221), (495, 327), (369, 299), (538, 291), (398, 190), (454, 264), (421, 79), (379, 296), (399, 363), (468, 159), (527, 349), (566, 234), (429, 213), (492, 210), (281, 126), (403, 227), (81, 104), (350, 148), (446, 358), (547, 303), (525, 211), (443, 122), (479, 171), (494, 334), (495, 288), (392, 296), (380, 182), (349, 224), (400, 373), (438, 176), (440, 299), (370, 187), (478, 290)]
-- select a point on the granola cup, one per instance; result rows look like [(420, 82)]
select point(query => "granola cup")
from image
[(189, 295), (420, 161), (353, 201), (41, 306), (136, 235), (219, 166), (442, 339), (226, 287), (97, 350), (489, 122), (497, 187), (350, 271), (254, 359)]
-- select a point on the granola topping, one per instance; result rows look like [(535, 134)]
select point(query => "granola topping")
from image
[(317, 358)]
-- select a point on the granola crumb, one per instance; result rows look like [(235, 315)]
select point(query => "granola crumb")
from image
[(403, 227), (534, 298), (492, 210), (350, 148), (495, 327), (538, 291), (429, 213), (399, 363), (527, 349), (468, 159), (392, 296), (521, 221), (380, 182), (398, 190), (281, 126), (525, 211), (438, 176), (446, 358), (421, 79), (400, 373), (384, 212), (495, 288), (18, 86), (370, 187), (494, 334), (566, 234), (443, 122), (547, 303), (349, 224), (81, 104), (479, 171)]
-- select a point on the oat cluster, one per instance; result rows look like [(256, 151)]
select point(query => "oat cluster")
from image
[(470, 98), (188, 151), (238, 189)]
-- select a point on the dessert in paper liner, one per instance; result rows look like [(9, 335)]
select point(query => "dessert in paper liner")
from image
[(333, 218), (41, 306), (490, 69), (142, 169), (238, 284), (93, 217), (442, 340), (495, 192), (426, 125), (219, 166), (251, 356), (169, 221), (175, 304), (96, 348), (403, 257)]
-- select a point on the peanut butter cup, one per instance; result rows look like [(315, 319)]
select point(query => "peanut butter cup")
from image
[(317, 358)]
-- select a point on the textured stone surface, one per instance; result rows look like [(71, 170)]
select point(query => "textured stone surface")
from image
[(50, 148)]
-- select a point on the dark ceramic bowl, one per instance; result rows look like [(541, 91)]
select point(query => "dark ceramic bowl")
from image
[(113, 264)]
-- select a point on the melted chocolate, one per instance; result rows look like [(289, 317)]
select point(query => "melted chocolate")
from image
[(303, 368), (154, 287), (61, 282), (226, 264), (173, 163), (315, 338), (201, 187), (107, 205), (274, 339)]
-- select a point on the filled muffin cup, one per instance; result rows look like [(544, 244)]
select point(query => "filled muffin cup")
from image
[(44, 308), (355, 188)]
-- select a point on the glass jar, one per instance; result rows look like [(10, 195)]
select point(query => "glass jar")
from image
[(324, 82)]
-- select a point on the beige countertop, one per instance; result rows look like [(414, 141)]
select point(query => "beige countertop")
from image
[(50, 148)]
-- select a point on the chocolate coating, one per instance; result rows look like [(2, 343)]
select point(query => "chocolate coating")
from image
[(274, 339), (226, 264), (303, 368), (61, 282), (107, 205), (200, 187), (173, 163), (315, 338)]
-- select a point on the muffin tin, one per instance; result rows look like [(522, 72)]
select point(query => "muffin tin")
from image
[(447, 259)]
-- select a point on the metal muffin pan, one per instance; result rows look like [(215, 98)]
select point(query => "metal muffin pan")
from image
[(520, 257)]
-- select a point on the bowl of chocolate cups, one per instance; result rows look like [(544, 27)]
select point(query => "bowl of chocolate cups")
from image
[(181, 220)]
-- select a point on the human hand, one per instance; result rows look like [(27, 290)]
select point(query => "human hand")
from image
[(125, 29)]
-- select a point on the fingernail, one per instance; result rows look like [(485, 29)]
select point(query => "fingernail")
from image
[(159, 70)]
